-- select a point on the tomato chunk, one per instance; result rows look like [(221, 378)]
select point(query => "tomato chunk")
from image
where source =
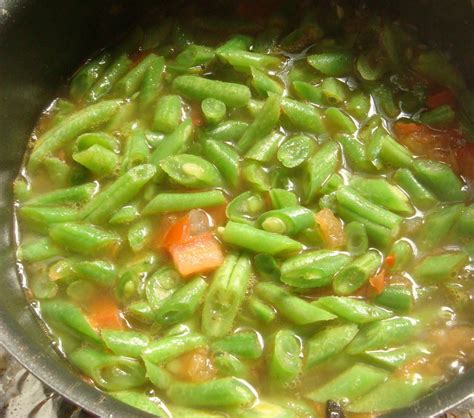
[(440, 98), (198, 255), (378, 282), (104, 313), (331, 228)]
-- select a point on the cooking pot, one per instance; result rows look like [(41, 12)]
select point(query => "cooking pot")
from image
[(41, 44)]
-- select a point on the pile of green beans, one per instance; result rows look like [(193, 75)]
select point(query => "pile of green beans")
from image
[(292, 143)]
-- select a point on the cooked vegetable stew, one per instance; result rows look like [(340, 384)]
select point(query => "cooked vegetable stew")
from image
[(257, 216)]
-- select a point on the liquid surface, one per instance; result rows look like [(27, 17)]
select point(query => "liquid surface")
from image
[(259, 216)]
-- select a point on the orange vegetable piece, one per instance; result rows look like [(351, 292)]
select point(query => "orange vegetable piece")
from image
[(200, 254), (378, 282), (465, 159), (331, 228), (104, 313), (390, 260), (196, 115), (177, 233), (440, 98), (195, 366)]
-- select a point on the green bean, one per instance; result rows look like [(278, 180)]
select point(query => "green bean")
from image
[(63, 133), (291, 307), (328, 343), (183, 303), (283, 198), (358, 106), (230, 130), (227, 391), (287, 221), (109, 78), (100, 272), (229, 365), (88, 139), (140, 401), (174, 143), (320, 167), (125, 343), (465, 222), (69, 318), (302, 37), (332, 184), (353, 310), (390, 151), (195, 55), (395, 393), (439, 268), (396, 297), (141, 311), (38, 250), (369, 67), (160, 286), (109, 372), (285, 363), (256, 240), (245, 344), (439, 178), (177, 202), (214, 110), (296, 408), (338, 122), (357, 240), (382, 193), (403, 253), (267, 266), (313, 268), (168, 113), (256, 176), (419, 195), (380, 235), (437, 226), (395, 357), (122, 122), (158, 375), (263, 124), (151, 84), (119, 193), (101, 161), (440, 117), (42, 218), (241, 59), (238, 42), (355, 275), (353, 201), (303, 116), (385, 101), (165, 349), (80, 291), (191, 171), (267, 41), (136, 151), (337, 63), (85, 78), (295, 151), (225, 158), (355, 153), (139, 234), (264, 84), (260, 310), (351, 384), (308, 92), (381, 334), (265, 149), (84, 238), (435, 67), (125, 215), (225, 295), (333, 91), (43, 288), (131, 81), (198, 88), (245, 207)]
